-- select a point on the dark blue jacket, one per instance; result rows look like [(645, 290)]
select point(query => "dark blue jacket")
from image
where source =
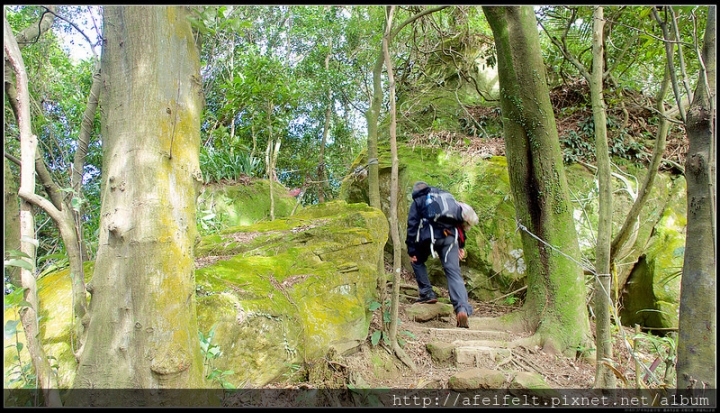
[(414, 226)]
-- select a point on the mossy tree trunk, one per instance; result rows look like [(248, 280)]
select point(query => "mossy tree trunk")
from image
[(143, 330), (604, 377), (697, 343), (555, 302)]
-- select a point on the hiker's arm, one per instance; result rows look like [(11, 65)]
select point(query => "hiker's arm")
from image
[(413, 225)]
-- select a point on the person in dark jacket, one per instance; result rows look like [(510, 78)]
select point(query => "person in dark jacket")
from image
[(449, 244)]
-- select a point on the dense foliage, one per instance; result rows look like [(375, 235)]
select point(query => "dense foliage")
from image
[(295, 74)]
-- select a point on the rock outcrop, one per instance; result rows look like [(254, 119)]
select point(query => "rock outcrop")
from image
[(275, 294)]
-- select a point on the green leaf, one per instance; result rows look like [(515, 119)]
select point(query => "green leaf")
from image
[(407, 333), (16, 262), (679, 252), (76, 203), (16, 254), (11, 328), (375, 338), (52, 257), (374, 305)]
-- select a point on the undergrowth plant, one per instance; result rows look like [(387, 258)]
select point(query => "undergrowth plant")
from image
[(211, 352), (229, 164), (378, 335), (663, 352)]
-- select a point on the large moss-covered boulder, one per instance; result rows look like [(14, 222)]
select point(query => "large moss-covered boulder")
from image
[(55, 321), (275, 294), (495, 265), (282, 292)]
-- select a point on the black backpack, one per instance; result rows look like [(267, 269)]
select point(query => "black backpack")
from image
[(440, 207)]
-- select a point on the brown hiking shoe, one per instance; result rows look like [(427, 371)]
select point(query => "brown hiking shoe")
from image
[(462, 320)]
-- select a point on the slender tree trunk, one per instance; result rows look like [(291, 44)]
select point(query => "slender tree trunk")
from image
[(555, 303), (11, 221), (60, 207), (143, 330), (326, 131), (627, 234), (697, 342), (270, 157), (28, 144), (12, 206), (394, 189), (604, 377), (372, 116)]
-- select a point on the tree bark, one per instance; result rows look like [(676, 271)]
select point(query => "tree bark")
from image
[(12, 206), (697, 343), (394, 189), (47, 380), (321, 175), (555, 303), (372, 116), (143, 331), (604, 377), (11, 221)]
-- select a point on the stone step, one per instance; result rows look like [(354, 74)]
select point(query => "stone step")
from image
[(463, 334), (481, 343), (481, 356)]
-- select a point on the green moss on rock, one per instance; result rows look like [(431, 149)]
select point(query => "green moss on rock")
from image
[(276, 293)]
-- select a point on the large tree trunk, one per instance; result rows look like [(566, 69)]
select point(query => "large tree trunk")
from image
[(555, 303), (697, 345), (143, 330)]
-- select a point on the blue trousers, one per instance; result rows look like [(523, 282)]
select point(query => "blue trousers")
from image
[(448, 253)]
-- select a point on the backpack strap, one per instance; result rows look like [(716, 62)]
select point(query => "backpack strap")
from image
[(432, 242)]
